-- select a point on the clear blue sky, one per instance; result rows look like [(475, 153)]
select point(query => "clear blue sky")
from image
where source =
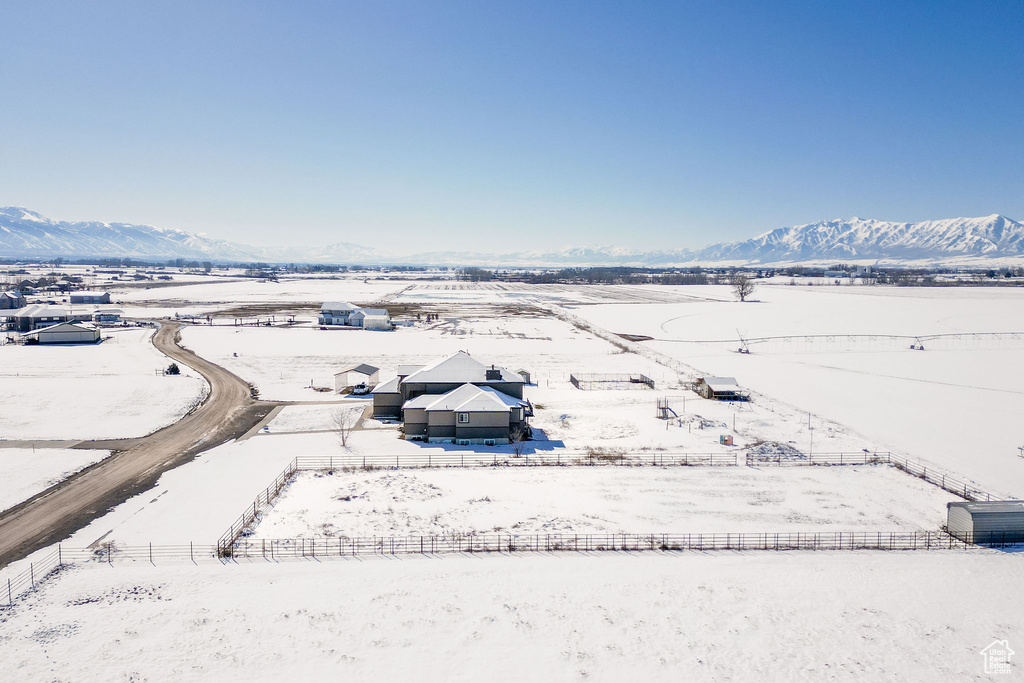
[(485, 125)]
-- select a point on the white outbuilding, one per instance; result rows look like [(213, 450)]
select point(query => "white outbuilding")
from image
[(358, 374), (995, 521), (65, 333)]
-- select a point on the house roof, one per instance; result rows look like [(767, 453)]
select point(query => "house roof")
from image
[(362, 369), (86, 292), (990, 507), (14, 294), (61, 327), (461, 368), (467, 398), (108, 310), (36, 311), (389, 387), (337, 306), (721, 383), (374, 312)]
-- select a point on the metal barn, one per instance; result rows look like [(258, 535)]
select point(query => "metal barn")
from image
[(997, 521)]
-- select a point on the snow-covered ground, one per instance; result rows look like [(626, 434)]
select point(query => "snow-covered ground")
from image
[(957, 404), (26, 471), (96, 391), (806, 616), (287, 290), (654, 616), (603, 500)]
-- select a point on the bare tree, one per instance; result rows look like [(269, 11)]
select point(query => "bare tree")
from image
[(345, 421), (517, 437), (742, 287)]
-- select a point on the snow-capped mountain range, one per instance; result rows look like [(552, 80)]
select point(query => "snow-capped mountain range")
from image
[(26, 234)]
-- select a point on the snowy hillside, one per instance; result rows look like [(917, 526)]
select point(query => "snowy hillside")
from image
[(858, 238), (27, 234), (978, 241)]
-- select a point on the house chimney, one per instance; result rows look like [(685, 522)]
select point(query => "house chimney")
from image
[(493, 374)]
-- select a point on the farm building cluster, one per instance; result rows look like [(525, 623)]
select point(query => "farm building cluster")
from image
[(74, 321), (344, 314), (456, 400)]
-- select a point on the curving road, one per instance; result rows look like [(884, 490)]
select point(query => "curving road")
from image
[(54, 514)]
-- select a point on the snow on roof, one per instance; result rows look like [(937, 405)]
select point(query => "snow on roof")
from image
[(406, 370), (459, 367), (989, 507), (36, 311), (80, 327), (468, 398), (389, 387), (721, 383), (362, 369), (374, 312), (87, 292), (337, 306)]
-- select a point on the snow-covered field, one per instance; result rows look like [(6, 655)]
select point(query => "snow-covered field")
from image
[(96, 391), (26, 471), (654, 616), (288, 290), (603, 500), (957, 404), (808, 616)]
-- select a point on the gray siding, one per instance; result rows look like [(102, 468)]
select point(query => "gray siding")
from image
[(387, 405)]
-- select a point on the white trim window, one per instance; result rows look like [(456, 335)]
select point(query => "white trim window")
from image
[(463, 418)]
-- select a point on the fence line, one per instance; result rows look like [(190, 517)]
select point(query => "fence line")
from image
[(341, 546), (326, 463), (344, 546), (462, 459), (932, 476)]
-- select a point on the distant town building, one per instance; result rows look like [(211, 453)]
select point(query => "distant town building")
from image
[(108, 316), (12, 300), (90, 297)]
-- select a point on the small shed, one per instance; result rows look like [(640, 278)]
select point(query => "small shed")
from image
[(720, 389), (525, 374), (66, 333), (996, 521), (358, 374)]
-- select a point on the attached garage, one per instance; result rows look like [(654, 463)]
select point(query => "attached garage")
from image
[(985, 522), (65, 333)]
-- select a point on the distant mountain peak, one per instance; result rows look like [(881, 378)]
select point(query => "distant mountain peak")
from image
[(27, 234)]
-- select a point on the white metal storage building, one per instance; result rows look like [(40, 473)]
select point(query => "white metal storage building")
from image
[(997, 521), (66, 333)]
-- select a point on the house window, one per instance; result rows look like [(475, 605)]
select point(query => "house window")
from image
[(463, 418), (488, 442)]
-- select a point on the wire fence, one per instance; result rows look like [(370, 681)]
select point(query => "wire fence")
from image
[(273, 549), (463, 459), (17, 585), (933, 476), (609, 380)]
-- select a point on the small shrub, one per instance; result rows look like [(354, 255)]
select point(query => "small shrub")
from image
[(173, 369)]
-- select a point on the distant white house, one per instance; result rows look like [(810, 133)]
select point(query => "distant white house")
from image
[(358, 374), (107, 315), (335, 312), (65, 333), (90, 297), (344, 314)]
